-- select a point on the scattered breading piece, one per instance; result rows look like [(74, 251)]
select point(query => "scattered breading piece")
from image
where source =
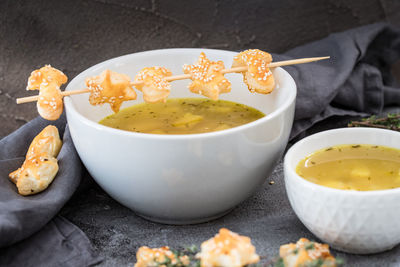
[(149, 257), (227, 249), (306, 252)]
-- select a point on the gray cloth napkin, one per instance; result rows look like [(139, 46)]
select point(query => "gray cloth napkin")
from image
[(58, 243), (22, 216), (356, 81)]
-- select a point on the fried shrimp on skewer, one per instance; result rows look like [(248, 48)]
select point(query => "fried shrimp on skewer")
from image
[(258, 77), (40, 165), (208, 80), (153, 84), (110, 87), (50, 103), (48, 81), (44, 75)]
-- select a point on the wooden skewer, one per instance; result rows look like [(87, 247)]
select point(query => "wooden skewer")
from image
[(186, 76)]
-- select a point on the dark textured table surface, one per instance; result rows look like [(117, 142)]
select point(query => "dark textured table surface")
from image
[(116, 232), (73, 35)]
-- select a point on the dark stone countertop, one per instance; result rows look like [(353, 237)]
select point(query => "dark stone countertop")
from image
[(74, 35)]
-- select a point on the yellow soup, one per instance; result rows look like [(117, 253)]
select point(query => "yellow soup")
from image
[(182, 116), (353, 167)]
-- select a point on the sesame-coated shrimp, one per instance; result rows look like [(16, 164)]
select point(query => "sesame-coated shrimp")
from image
[(207, 77), (153, 84), (110, 87), (40, 165), (258, 77), (48, 81)]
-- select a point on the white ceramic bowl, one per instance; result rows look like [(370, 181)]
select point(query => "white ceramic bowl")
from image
[(359, 222), (181, 179)]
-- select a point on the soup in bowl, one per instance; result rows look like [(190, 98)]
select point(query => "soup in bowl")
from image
[(181, 178), (352, 204)]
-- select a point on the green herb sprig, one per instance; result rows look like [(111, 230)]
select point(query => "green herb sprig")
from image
[(391, 121)]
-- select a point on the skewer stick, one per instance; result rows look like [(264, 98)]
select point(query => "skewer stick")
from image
[(186, 76)]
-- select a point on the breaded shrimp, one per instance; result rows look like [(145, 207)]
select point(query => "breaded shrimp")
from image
[(258, 77), (207, 77), (110, 87), (154, 86), (40, 165), (48, 81)]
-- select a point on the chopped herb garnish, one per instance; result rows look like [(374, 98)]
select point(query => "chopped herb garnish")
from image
[(279, 263), (193, 248), (313, 263), (310, 246), (339, 261)]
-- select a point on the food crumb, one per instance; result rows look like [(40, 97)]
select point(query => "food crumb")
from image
[(271, 182)]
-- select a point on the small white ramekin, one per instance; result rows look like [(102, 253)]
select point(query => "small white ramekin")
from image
[(360, 222)]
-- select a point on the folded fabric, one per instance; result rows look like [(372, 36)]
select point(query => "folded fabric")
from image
[(355, 81), (23, 216), (58, 243)]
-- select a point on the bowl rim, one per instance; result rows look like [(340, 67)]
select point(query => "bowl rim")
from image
[(70, 108), (289, 171)]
